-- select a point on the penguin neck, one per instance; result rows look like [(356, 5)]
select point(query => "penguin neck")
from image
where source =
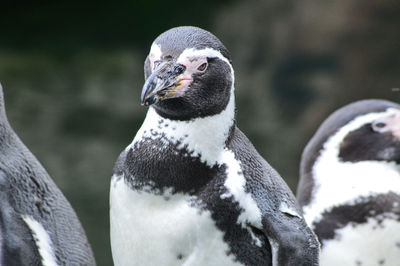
[(204, 137)]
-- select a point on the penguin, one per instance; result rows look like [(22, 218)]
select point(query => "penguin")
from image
[(349, 187), (38, 226), (191, 189)]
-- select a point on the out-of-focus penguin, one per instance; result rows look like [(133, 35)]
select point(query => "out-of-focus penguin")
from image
[(37, 224), (350, 185)]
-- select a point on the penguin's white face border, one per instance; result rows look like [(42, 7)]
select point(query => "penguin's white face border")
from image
[(154, 54), (190, 57), (194, 63), (330, 173)]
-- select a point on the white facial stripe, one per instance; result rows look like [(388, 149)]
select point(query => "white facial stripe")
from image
[(337, 183), (42, 240), (188, 54), (192, 65), (155, 54)]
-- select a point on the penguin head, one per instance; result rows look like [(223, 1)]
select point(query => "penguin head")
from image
[(188, 74), (367, 130), (377, 139), (361, 131)]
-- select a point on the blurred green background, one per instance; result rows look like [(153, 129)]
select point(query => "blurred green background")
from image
[(72, 75)]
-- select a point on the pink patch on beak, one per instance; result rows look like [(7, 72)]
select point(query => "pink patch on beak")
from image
[(183, 84), (191, 65)]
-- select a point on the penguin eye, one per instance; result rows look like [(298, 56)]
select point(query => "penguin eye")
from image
[(378, 126), (203, 67)]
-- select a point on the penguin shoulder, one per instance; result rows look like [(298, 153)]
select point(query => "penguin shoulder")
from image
[(279, 218)]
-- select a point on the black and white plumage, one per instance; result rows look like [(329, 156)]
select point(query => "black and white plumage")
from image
[(350, 184), (37, 224), (191, 189)]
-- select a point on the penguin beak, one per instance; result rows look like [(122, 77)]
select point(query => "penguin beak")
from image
[(163, 83)]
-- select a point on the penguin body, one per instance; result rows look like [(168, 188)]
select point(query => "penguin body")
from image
[(37, 224), (350, 185), (191, 189)]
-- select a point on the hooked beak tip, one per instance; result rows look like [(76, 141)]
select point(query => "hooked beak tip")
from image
[(147, 101)]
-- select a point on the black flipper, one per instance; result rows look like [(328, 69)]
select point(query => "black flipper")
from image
[(17, 244)]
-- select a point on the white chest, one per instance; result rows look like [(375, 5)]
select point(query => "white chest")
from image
[(368, 244), (149, 229)]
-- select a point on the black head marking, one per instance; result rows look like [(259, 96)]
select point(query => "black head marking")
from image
[(209, 92), (365, 144), (329, 127)]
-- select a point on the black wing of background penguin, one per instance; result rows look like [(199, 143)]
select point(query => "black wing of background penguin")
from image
[(37, 224)]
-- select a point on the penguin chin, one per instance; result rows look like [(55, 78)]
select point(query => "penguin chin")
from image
[(177, 108)]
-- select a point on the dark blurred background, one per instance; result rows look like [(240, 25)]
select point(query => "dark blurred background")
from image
[(72, 75)]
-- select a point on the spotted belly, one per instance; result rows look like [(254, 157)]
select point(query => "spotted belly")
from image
[(163, 229)]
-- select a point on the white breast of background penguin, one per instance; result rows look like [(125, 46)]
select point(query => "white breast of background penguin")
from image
[(360, 177), (170, 226)]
